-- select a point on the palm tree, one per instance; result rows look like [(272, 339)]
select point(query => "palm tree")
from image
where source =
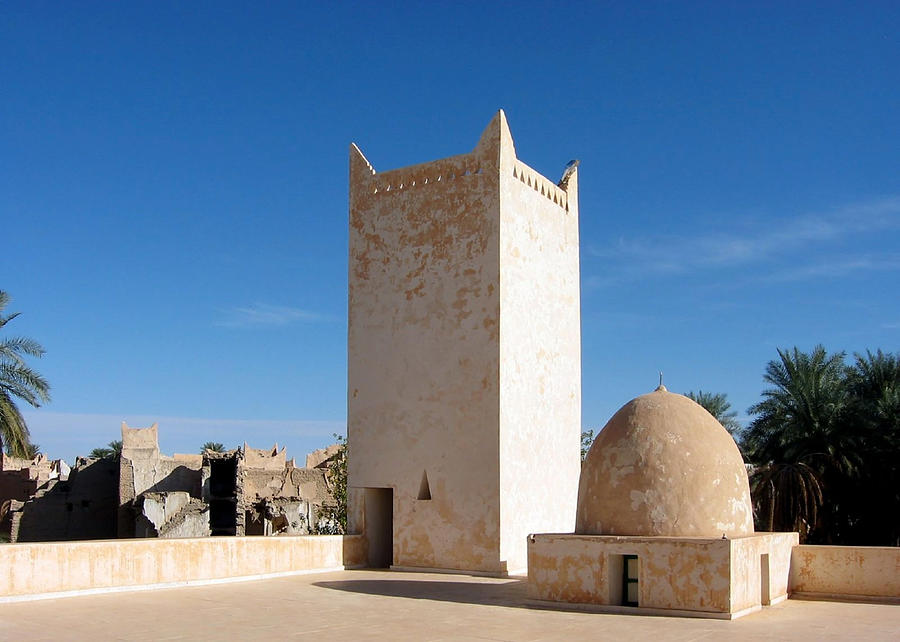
[(874, 384), (786, 497), (214, 446), (112, 450), (801, 439), (587, 440), (17, 381), (801, 418), (718, 406)]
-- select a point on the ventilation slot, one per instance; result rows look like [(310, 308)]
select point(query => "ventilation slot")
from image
[(424, 489)]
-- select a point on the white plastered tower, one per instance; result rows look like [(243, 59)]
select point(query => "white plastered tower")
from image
[(464, 351)]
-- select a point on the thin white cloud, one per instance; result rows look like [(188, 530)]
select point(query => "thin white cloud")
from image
[(672, 255), (264, 314), (836, 269)]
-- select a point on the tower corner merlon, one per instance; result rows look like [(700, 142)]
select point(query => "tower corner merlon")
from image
[(360, 167), (496, 140), (571, 190)]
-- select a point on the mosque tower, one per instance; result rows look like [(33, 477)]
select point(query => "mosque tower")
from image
[(464, 357)]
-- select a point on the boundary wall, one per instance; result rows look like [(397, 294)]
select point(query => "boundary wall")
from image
[(59, 569), (861, 572)]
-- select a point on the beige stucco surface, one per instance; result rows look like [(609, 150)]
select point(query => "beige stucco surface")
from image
[(440, 383), (746, 568), (663, 466), (29, 569), (689, 574), (872, 571), (407, 606), (540, 355)]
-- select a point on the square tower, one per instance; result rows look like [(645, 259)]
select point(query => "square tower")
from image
[(464, 357)]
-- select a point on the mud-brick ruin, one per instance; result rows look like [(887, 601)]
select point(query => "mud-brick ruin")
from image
[(144, 493)]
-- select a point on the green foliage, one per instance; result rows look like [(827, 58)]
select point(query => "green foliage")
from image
[(18, 381), (333, 518), (587, 438), (824, 445), (718, 406), (787, 497), (214, 446), (112, 450)]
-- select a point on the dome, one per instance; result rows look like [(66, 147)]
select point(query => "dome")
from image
[(663, 466)]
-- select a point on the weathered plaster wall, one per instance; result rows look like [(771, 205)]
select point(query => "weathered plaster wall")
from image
[(423, 351), (34, 569), (540, 355), (872, 571), (682, 574), (490, 415), (748, 555), (690, 574)]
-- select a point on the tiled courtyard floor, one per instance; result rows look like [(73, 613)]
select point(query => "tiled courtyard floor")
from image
[(383, 605)]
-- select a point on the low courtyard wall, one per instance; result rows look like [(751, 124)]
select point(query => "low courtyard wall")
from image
[(56, 569), (846, 571)]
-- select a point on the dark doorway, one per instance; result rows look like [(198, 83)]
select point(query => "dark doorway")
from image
[(379, 526), (223, 496)]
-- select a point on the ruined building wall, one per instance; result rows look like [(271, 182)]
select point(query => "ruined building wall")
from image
[(143, 469), (82, 507)]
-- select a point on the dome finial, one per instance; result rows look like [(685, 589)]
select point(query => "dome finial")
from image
[(661, 387)]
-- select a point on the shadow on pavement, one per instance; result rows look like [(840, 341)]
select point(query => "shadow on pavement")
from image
[(507, 592)]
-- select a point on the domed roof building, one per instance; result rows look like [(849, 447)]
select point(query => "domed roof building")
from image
[(663, 466), (664, 521)]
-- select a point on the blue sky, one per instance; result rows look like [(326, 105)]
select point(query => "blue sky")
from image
[(173, 191)]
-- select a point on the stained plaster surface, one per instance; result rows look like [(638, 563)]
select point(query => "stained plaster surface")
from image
[(663, 466), (847, 570), (694, 574), (434, 388), (372, 605), (540, 354)]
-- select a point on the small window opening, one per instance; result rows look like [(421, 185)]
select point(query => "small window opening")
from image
[(424, 488), (630, 581)]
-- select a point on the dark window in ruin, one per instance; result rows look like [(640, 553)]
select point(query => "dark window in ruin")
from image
[(85, 503), (223, 496), (222, 477)]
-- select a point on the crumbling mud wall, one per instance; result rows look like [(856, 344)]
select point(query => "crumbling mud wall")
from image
[(171, 515), (81, 507), (142, 469), (259, 492), (143, 493)]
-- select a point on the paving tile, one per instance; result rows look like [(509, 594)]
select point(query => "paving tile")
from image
[(396, 606)]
